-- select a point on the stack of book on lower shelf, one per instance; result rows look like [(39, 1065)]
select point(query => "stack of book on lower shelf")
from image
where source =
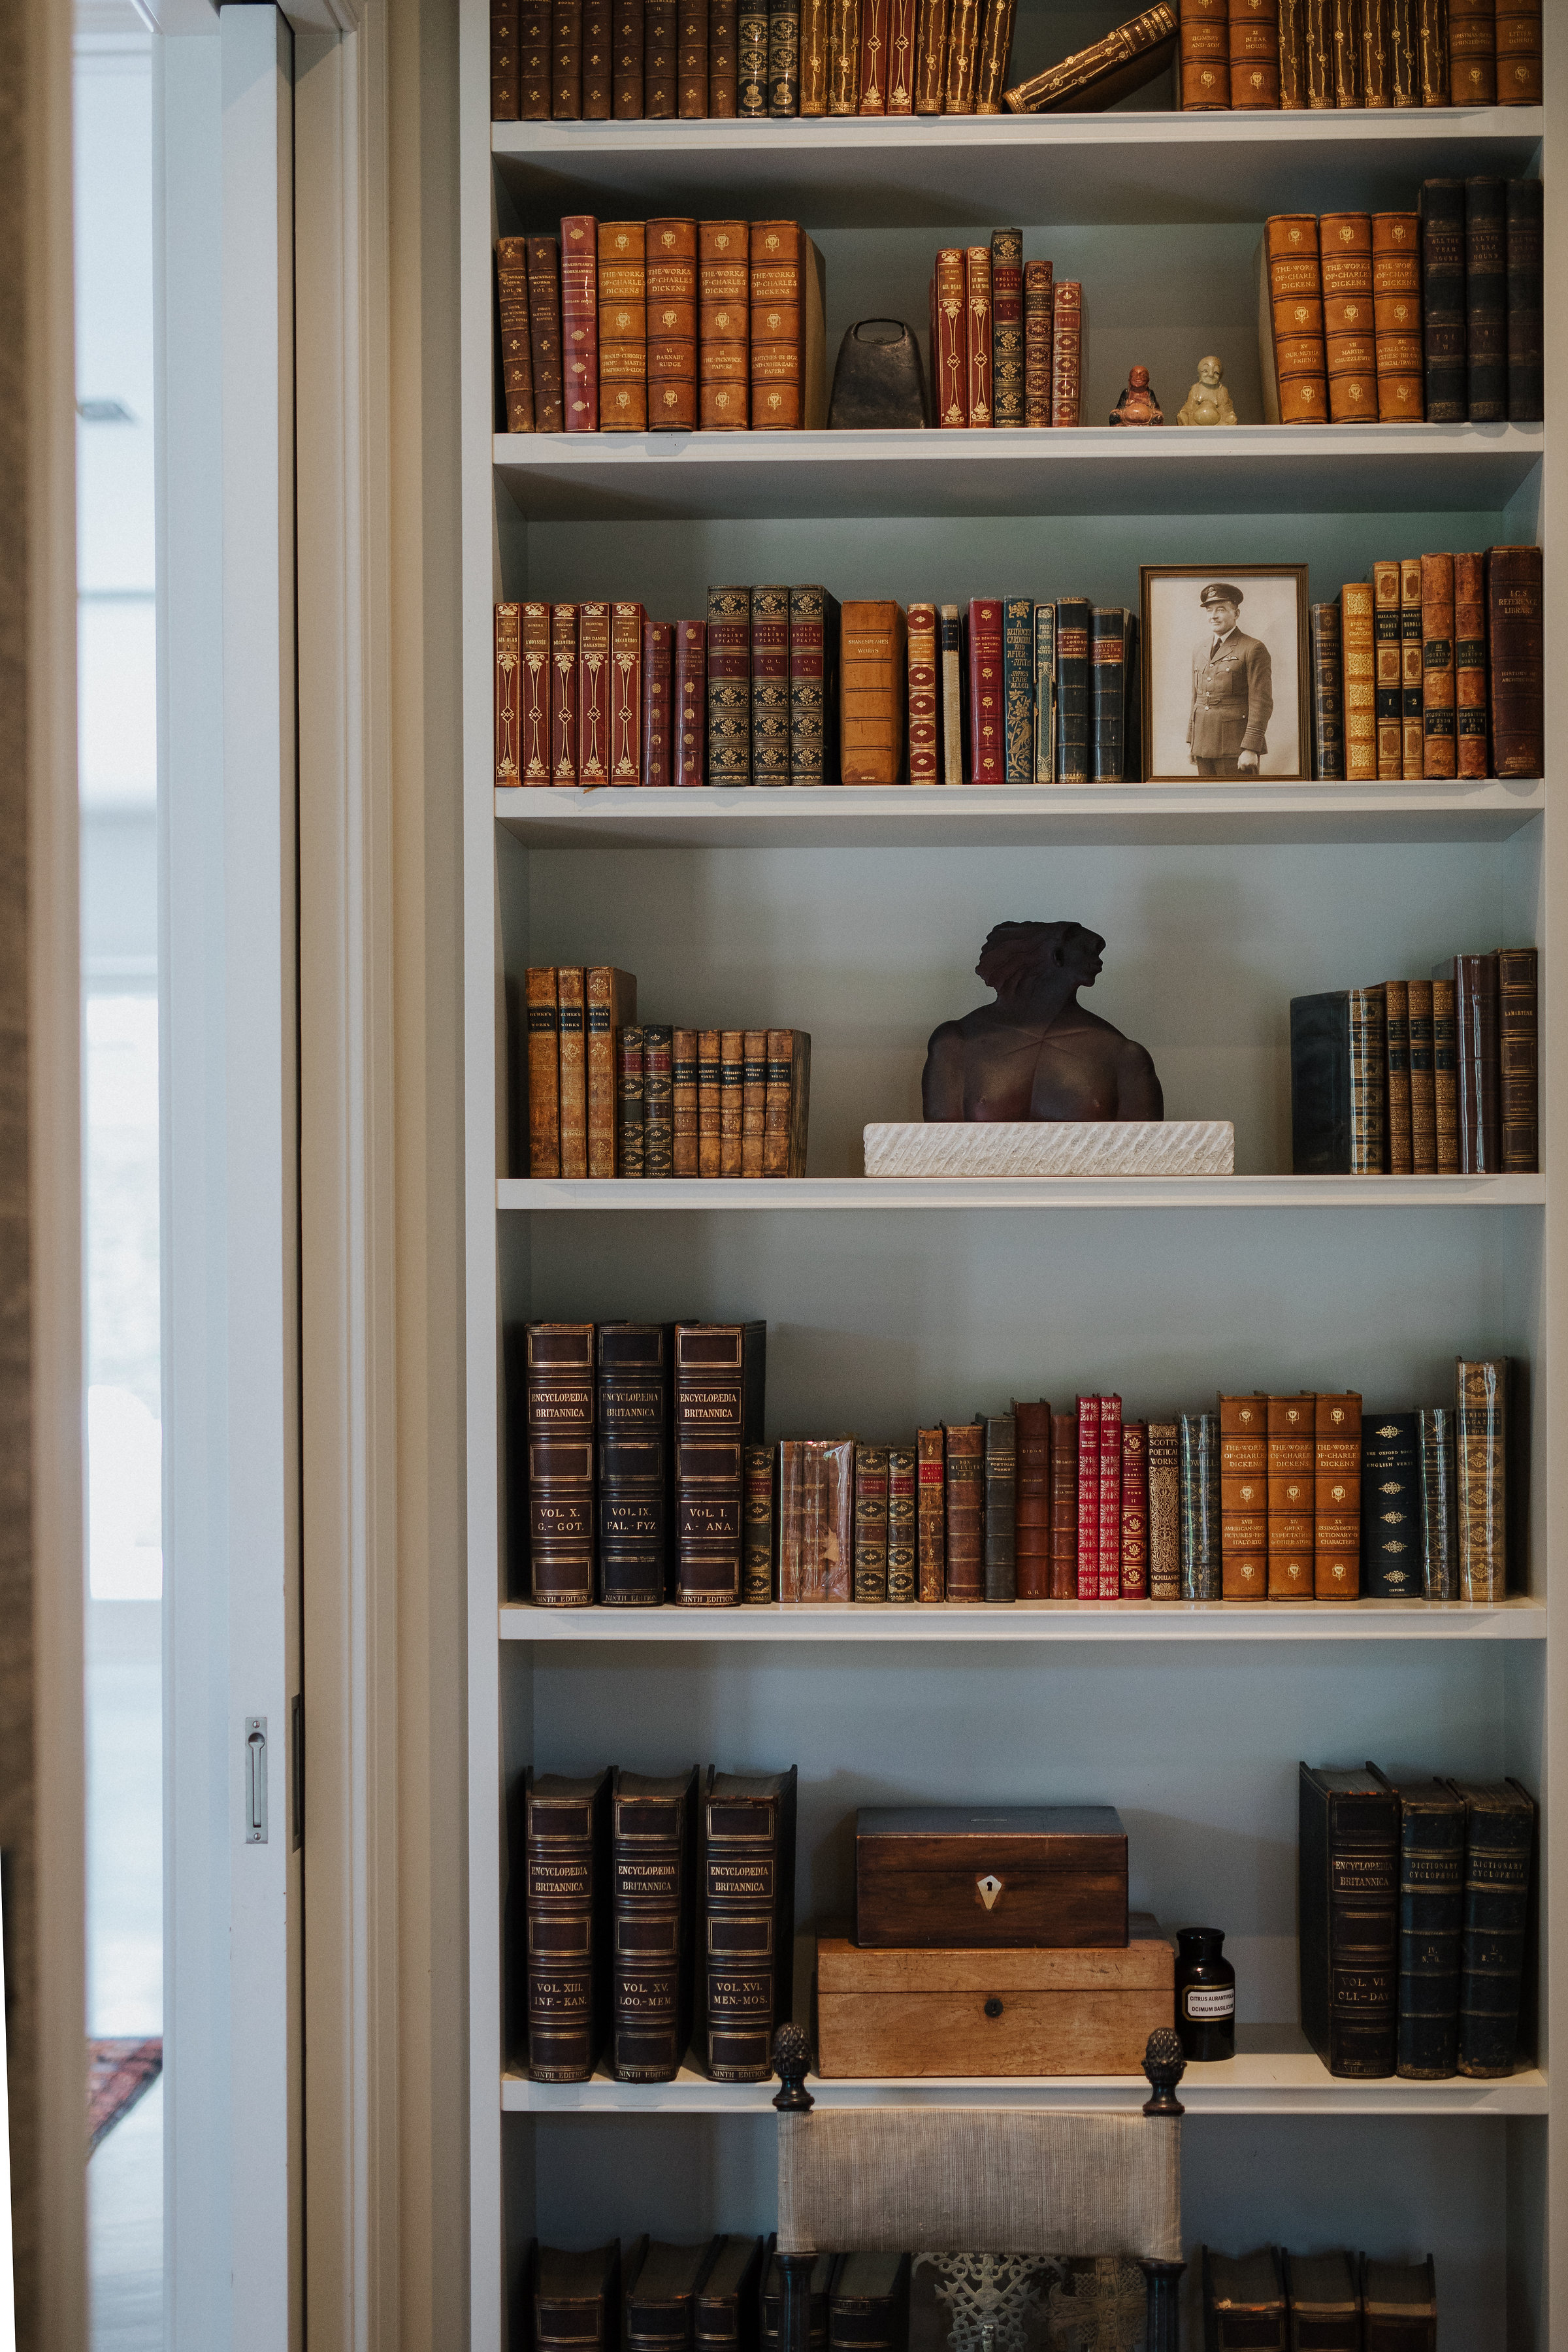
[(1255, 2303)]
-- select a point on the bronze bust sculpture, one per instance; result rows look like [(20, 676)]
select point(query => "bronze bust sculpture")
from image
[(1036, 1053)]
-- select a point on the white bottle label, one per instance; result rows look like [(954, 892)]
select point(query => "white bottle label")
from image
[(1209, 2001)]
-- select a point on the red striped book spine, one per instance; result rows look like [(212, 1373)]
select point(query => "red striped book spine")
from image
[(1089, 1498), (1110, 1498), (987, 720)]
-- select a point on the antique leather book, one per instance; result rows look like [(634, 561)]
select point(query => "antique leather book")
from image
[(1387, 692), (867, 2308), (563, 693), (1439, 753), (1348, 1900), (1337, 1498), (573, 1105), (729, 686), (955, 687), (1337, 1057), (1396, 307), (1327, 657), (753, 1098), (1431, 1914), (1031, 1501), (965, 1466), (814, 55), (1499, 1841), (1396, 1078), (1107, 674), (1073, 749), (629, 1101), (978, 335), (544, 1071), (1038, 346), (930, 55), (870, 1523), (873, 92), (653, 1866), (1359, 654), (772, 2337), (724, 325), (633, 1415), (658, 662), (1001, 1469), (566, 1837), (1133, 700), (659, 1100), (816, 1519), (987, 714), (1007, 326), (930, 1515), (627, 46), (963, 55), (950, 363), (1045, 696), (1432, 50), (1109, 1546), (659, 2293), (512, 326), (1443, 300), (1413, 743), (902, 1544), (1323, 2302), (752, 59), (671, 325), (725, 2308), (1165, 1512), (576, 2300), (995, 49), (1063, 1555), (688, 703), (783, 1045), (723, 59), (1445, 1073), (1376, 53), (1349, 342), (1518, 1066), (1066, 351), (1399, 2305), (533, 26), (1471, 699), (718, 1385), (709, 1067), (1135, 54), (731, 1099), (1391, 1541), (844, 56), (757, 1526), (1291, 1424), (1204, 56), (1516, 648), (1254, 53), (598, 59), (1018, 690), (1475, 1060), (593, 694), (691, 59), (925, 750), (1293, 55), (627, 624), (1005, 1878), (1480, 1456), (789, 360), (1518, 52), (748, 1895), (610, 1002), (508, 693), (770, 686), (1320, 49), (1296, 362), (1486, 300), (1439, 1529), (1472, 52), (1403, 72), (1343, 18), (1526, 385), (784, 58), (566, 60), (622, 328), (545, 331), (1198, 1446), (504, 41), (1134, 1564), (1244, 1497), (872, 692), (1244, 2302), (814, 633)]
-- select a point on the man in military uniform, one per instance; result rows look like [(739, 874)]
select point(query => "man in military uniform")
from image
[(1233, 691)]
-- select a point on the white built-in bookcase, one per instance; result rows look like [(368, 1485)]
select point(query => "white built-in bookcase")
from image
[(858, 916)]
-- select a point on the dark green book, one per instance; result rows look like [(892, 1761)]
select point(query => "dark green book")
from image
[(1045, 694), (783, 58), (1439, 1527), (1072, 690), (1499, 1847), (1106, 668), (1431, 1913), (1018, 687)]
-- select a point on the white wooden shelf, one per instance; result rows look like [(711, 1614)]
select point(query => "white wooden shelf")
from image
[(800, 1195), (1521, 1618), (1125, 165), (1085, 816), (1096, 469)]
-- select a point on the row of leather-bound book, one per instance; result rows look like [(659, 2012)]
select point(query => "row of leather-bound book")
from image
[(1420, 1077), (1296, 54), (1006, 343), (1434, 667), (1262, 2302)]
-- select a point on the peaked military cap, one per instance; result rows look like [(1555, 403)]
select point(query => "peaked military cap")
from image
[(1220, 591)]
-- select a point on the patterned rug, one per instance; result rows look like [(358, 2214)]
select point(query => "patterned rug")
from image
[(118, 2071)]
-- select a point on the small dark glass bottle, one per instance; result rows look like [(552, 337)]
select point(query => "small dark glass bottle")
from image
[(1206, 1995)]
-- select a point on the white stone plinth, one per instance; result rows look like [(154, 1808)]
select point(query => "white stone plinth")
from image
[(1177, 1147)]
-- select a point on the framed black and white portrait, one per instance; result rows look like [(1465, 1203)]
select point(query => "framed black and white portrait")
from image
[(1226, 691)]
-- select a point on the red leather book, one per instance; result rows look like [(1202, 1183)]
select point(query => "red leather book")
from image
[(563, 693), (1037, 343), (566, 60), (627, 61), (1064, 1506), (533, 60), (925, 750), (1111, 1498), (1067, 351), (977, 332), (690, 702), (533, 702), (1134, 1510), (598, 27), (593, 693), (545, 331), (626, 625), (901, 57), (950, 363), (987, 715), (1032, 1505), (657, 662), (579, 323), (691, 60), (516, 348), (1088, 1580), (509, 689), (874, 17), (671, 326)]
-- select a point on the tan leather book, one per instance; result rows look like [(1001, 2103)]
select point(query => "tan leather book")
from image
[(1244, 1497), (1472, 52), (1470, 701), (533, 695), (732, 1093), (962, 56), (691, 60), (789, 383), (930, 1515), (723, 325), (1446, 1076), (1413, 741), (709, 1082), (544, 1072), (1423, 1105), (683, 1103), (1437, 664), (1396, 1077), (1066, 351), (593, 694), (1350, 339), (622, 328), (1291, 323), (1519, 52), (977, 336), (1205, 56), (950, 628), (930, 55), (1254, 53), (872, 692), (1387, 670), (1337, 1497), (1290, 1474), (508, 693), (1396, 316), (573, 1112), (671, 271), (1361, 720), (753, 1098), (788, 1083), (609, 1003), (925, 747)]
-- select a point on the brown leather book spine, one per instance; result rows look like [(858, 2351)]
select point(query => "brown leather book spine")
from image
[(1296, 315), (1445, 1075), (566, 60), (1472, 52), (709, 1082), (609, 1004), (544, 1071), (658, 664), (1396, 1096), (1007, 327), (723, 59), (1481, 1478), (1387, 661), (1376, 53), (1205, 56), (545, 331), (1067, 351), (977, 325), (659, 70), (1336, 1479), (816, 50), (1135, 54), (1134, 1510), (1470, 665), (844, 56), (1037, 343), (752, 61), (965, 1465), (533, 60), (963, 55), (622, 328), (778, 1075), (902, 1556), (566, 1928), (925, 750), (1516, 647), (732, 1092), (626, 625), (873, 92), (688, 703), (593, 694), (870, 1523), (1412, 740), (509, 694), (1358, 640), (563, 693), (504, 39), (573, 1115), (1254, 53), (901, 57), (1344, 38), (512, 326), (1165, 1512), (671, 325), (1320, 56), (1423, 1122), (1404, 75), (598, 50), (1432, 51), (579, 323), (1396, 310), (1349, 340), (724, 325), (1032, 1501), (949, 385), (1063, 1582), (1519, 52), (1518, 1061), (1476, 1035), (1289, 1488), (931, 1517), (1292, 57), (996, 47), (533, 706), (1243, 1499), (691, 60), (683, 1103), (770, 686), (872, 691), (753, 1099), (777, 342), (718, 1393), (630, 1102), (626, 36), (930, 55), (1437, 664)]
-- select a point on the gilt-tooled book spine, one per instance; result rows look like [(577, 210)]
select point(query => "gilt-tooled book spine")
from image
[(951, 631), (901, 57), (1337, 1501), (901, 1553), (1476, 1062), (757, 1536), (1472, 52), (598, 25), (1387, 696), (626, 43), (629, 1101), (1443, 300), (991, 65), (925, 747), (1205, 56), (987, 712), (1431, 1919), (870, 1523), (508, 693), (533, 60), (784, 58), (709, 1082), (770, 686), (623, 327), (816, 38), (779, 1073), (1328, 693), (1518, 1061), (1519, 52), (1360, 670), (544, 1071), (1516, 646), (688, 703), (873, 692), (1445, 1073), (671, 325), (1412, 738), (724, 324), (1396, 314), (575, 2304), (504, 39), (1432, 51), (1376, 53), (977, 298), (1072, 690), (1369, 1062), (780, 256), (610, 999), (1320, 56), (1197, 1443), (1396, 1077), (1067, 351), (533, 711), (1499, 1841), (1293, 55), (1007, 326), (579, 323), (844, 56), (563, 693), (753, 1099), (963, 55), (1344, 38), (723, 59), (1019, 688), (874, 16), (1109, 1551), (691, 60), (965, 1465), (559, 1372), (751, 60), (949, 385), (657, 662), (511, 321), (1135, 54), (1296, 354), (1480, 1455), (1404, 74), (566, 1856), (748, 1919), (683, 1101), (930, 55), (1134, 1510), (1244, 1498), (930, 1515), (1486, 300), (1526, 323), (573, 1077), (1348, 1910), (1470, 697), (1045, 699), (1391, 1544), (633, 1415), (544, 332), (1290, 1489), (1001, 1581), (1032, 1500), (1165, 1513), (593, 694), (1107, 676), (1423, 1107), (653, 1839), (566, 60), (1254, 53), (627, 622), (1037, 347), (731, 1100), (729, 686), (1349, 341), (719, 1387), (1063, 1557), (1439, 1529)]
